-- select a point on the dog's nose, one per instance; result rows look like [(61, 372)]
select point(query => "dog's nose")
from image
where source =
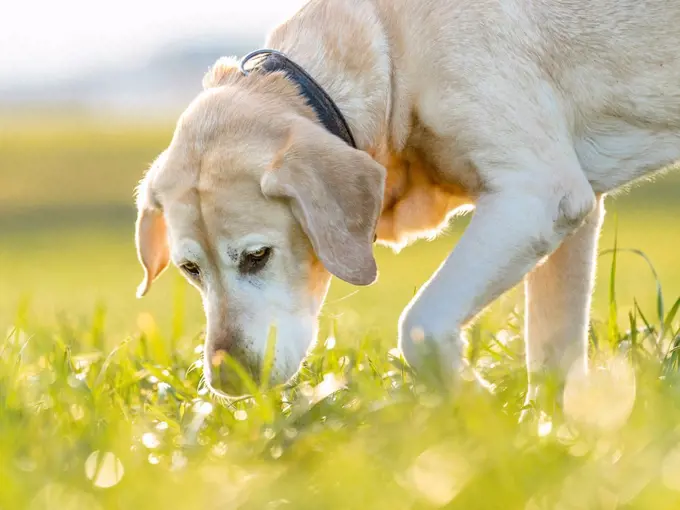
[(227, 341), (228, 363)]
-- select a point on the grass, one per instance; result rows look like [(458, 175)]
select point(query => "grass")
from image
[(84, 426), (101, 404)]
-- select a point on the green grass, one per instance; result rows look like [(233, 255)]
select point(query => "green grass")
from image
[(87, 368), (84, 426)]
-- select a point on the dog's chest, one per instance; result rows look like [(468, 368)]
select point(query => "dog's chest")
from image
[(419, 197)]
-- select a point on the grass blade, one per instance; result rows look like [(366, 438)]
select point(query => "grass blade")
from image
[(668, 321), (268, 362), (613, 310)]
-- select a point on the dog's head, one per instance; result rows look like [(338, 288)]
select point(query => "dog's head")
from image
[(258, 205)]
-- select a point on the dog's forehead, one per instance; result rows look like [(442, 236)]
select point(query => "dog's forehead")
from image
[(239, 207), (209, 182), (224, 132), (191, 168), (231, 112), (231, 210)]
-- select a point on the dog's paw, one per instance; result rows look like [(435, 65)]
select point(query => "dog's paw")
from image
[(431, 352)]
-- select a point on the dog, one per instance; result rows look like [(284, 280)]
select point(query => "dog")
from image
[(376, 121)]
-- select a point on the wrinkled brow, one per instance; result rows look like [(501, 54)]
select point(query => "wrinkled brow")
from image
[(154, 200)]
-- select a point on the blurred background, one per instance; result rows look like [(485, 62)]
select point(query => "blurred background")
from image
[(89, 94)]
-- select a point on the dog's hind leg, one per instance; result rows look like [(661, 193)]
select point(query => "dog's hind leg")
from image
[(558, 296)]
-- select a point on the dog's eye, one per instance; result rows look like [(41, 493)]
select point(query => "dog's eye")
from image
[(254, 261), (191, 269)]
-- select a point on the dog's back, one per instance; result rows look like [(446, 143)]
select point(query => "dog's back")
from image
[(607, 69)]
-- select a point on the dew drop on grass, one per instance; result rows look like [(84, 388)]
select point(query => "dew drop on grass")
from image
[(394, 352), (179, 461), (162, 426), (77, 412), (103, 469), (504, 336), (544, 425), (330, 343), (220, 449), (353, 405), (150, 440), (290, 432), (203, 407), (73, 380), (276, 452), (153, 459), (240, 415), (330, 384)]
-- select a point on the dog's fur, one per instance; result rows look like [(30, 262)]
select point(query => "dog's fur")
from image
[(527, 110)]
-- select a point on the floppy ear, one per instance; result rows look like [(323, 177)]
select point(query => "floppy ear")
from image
[(336, 194), (150, 238), (152, 246)]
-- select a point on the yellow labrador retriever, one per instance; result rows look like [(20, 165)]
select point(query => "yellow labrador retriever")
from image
[(381, 118)]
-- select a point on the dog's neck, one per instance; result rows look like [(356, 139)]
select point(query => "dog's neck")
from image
[(348, 55), (345, 46)]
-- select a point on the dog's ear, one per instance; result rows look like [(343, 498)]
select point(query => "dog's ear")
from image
[(225, 70), (150, 236), (336, 194), (152, 246)]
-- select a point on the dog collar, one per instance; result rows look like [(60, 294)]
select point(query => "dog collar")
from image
[(326, 110)]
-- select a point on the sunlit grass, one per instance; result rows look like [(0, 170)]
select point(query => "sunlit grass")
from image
[(85, 426)]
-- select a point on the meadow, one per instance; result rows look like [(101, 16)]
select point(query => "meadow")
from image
[(101, 404)]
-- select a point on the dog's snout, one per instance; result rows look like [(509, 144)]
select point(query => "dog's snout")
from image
[(222, 352), (226, 342)]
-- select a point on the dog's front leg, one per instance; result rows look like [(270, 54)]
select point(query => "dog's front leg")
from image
[(511, 231)]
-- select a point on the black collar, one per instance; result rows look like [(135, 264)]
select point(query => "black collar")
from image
[(327, 111)]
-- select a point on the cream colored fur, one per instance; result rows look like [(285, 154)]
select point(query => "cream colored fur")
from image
[(527, 110)]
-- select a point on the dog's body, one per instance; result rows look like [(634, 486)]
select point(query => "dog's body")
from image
[(528, 110)]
